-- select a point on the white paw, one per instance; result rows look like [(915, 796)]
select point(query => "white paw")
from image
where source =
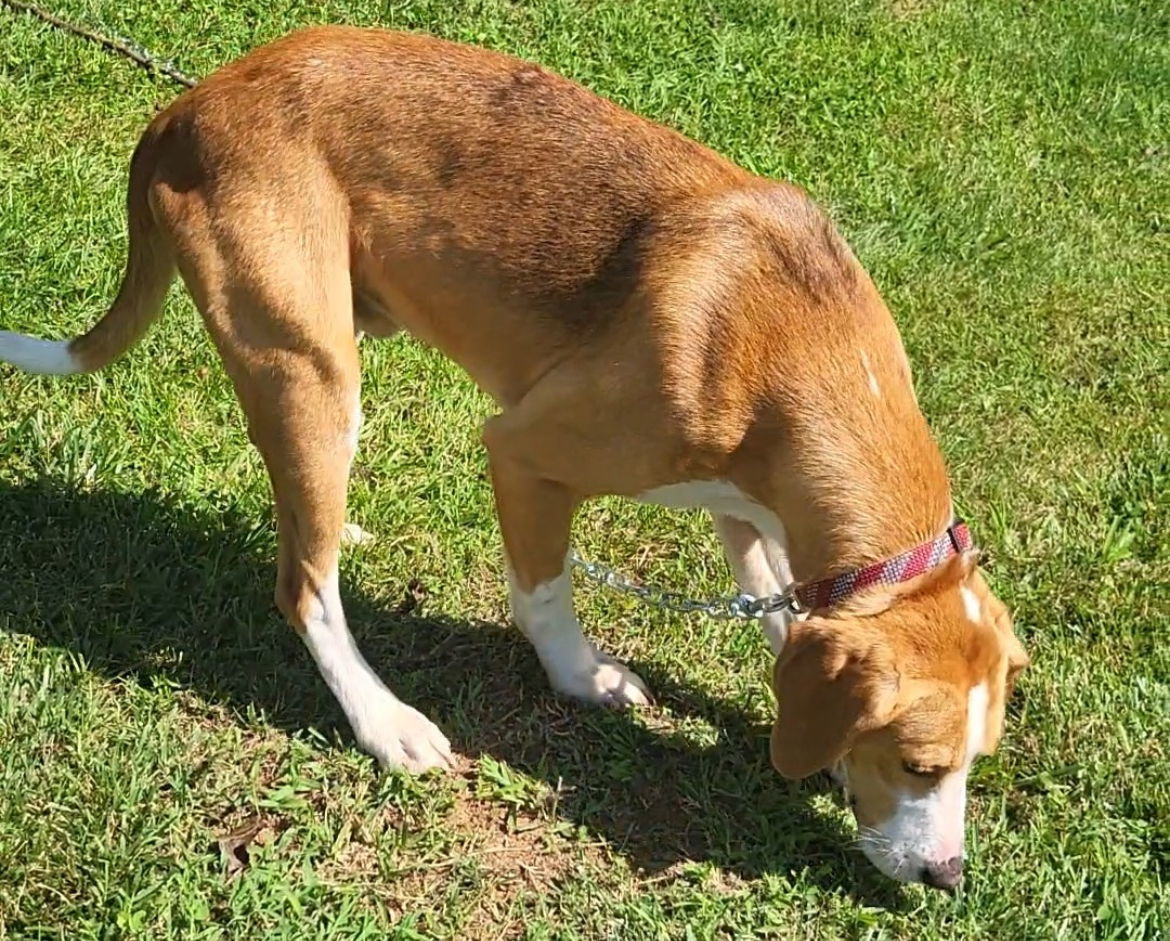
[(606, 683), (403, 739), (353, 535)]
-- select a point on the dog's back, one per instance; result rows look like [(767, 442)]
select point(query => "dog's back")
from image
[(472, 181)]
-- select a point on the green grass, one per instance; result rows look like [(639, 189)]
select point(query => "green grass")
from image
[(1001, 169)]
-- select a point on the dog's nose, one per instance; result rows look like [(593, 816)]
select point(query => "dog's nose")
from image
[(945, 875)]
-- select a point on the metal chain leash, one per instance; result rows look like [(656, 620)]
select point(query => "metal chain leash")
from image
[(741, 607)]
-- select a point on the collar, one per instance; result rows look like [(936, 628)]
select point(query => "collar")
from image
[(900, 568)]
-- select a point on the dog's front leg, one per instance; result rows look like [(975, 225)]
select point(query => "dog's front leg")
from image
[(535, 516), (761, 570)]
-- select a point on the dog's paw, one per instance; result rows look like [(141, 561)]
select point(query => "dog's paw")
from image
[(353, 535), (606, 683), (403, 739)]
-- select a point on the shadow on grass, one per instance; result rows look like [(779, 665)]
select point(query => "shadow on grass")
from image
[(144, 587)]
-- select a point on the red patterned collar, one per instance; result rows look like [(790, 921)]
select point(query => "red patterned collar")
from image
[(900, 568)]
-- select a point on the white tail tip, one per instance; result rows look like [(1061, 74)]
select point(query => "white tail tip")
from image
[(33, 355)]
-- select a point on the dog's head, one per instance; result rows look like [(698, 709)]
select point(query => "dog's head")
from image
[(902, 691)]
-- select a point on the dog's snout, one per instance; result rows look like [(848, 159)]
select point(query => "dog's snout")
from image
[(946, 875)]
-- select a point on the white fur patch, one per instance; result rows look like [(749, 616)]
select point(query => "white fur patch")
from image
[(928, 828), (574, 666), (761, 569), (720, 497), (397, 735), (355, 426), (353, 535), (873, 383), (50, 357), (977, 701), (342, 665), (760, 564), (971, 605), (546, 616)]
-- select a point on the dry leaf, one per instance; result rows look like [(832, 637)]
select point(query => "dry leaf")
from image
[(233, 846)]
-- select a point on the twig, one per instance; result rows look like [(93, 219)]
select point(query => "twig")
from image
[(123, 47)]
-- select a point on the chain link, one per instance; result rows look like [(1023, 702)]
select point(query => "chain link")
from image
[(741, 607)]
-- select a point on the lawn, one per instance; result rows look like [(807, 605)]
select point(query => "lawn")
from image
[(172, 766)]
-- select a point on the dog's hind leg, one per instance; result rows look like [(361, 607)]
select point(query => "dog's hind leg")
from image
[(277, 301)]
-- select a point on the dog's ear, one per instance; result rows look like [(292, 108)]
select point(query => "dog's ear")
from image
[(1017, 656), (834, 680), (1000, 618)]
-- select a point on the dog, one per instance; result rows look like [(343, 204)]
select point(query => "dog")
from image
[(653, 322)]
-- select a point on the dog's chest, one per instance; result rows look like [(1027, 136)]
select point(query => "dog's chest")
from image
[(720, 497)]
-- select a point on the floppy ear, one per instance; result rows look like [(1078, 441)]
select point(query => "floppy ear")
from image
[(1001, 620), (834, 680), (1017, 656)]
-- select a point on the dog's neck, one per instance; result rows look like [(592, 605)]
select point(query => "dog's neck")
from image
[(843, 502), (799, 391), (841, 516)]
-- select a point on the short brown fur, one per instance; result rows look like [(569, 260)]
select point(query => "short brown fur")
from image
[(643, 312)]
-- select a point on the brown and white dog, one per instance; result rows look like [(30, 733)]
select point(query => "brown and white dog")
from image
[(653, 322)]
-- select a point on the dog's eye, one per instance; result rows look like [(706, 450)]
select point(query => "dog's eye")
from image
[(919, 771)]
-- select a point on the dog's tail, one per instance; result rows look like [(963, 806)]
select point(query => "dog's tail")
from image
[(150, 269)]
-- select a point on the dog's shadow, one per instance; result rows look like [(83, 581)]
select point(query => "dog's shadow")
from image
[(144, 587)]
